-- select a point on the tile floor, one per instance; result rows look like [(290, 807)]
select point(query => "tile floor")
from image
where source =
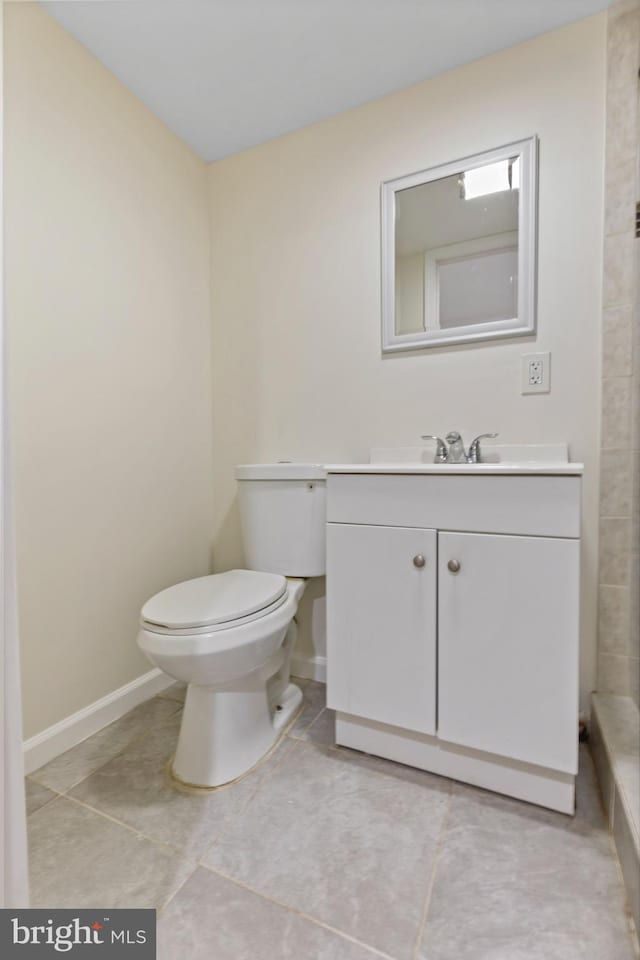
[(321, 853)]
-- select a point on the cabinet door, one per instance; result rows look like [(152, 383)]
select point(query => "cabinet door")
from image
[(508, 646), (381, 624)]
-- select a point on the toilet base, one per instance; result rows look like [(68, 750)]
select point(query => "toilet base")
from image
[(226, 732)]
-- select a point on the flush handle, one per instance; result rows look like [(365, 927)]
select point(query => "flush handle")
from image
[(419, 560), (454, 566)]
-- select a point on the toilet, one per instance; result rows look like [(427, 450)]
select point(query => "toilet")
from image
[(230, 636)]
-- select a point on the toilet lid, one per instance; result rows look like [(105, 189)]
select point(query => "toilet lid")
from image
[(220, 598)]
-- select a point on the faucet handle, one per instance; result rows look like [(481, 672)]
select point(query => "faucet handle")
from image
[(474, 447), (441, 448)]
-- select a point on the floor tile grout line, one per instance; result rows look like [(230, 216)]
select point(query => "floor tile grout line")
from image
[(311, 722), (438, 853), (144, 836), (301, 733), (46, 803), (57, 792), (300, 913), (308, 729), (163, 907)]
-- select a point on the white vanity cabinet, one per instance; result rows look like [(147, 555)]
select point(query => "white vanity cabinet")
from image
[(508, 633), (383, 623), (452, 631)]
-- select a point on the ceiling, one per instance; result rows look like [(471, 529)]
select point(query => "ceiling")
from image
[(225, 75)]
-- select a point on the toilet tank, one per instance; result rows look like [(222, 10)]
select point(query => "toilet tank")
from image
[(283, 515)]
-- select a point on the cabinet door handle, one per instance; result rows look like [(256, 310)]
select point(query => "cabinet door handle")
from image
[(419, 560), (454, 566)]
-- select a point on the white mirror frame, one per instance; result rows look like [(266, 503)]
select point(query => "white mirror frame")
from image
[(522, 325)]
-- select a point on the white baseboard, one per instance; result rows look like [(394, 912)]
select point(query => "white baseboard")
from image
[(309, 668), (67, 733)]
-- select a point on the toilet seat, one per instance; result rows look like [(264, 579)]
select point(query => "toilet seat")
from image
[(216, 602), (207, 629)]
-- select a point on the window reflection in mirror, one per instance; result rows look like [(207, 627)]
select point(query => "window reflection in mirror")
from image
[(456, 249)]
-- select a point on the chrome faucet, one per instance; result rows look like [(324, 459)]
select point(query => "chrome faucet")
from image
[(473, 455), (456, 448), (455, 452), (441, 453)]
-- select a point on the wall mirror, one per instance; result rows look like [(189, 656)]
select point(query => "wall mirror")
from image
[(459, 250)]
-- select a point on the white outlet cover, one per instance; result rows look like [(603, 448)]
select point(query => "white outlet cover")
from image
[(540, 363)]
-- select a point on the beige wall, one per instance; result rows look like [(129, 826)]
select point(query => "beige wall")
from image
[(107, 272), (298, 371), (619, 583)]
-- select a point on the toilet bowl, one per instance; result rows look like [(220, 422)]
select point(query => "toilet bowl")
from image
[(239, 696), (230, 636)]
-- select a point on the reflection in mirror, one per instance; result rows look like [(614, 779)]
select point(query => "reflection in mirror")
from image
[(457, 251)]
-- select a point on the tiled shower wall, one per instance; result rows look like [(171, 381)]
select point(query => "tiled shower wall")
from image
[(619, 613)]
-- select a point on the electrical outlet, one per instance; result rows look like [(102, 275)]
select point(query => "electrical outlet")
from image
[(536, 373)]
